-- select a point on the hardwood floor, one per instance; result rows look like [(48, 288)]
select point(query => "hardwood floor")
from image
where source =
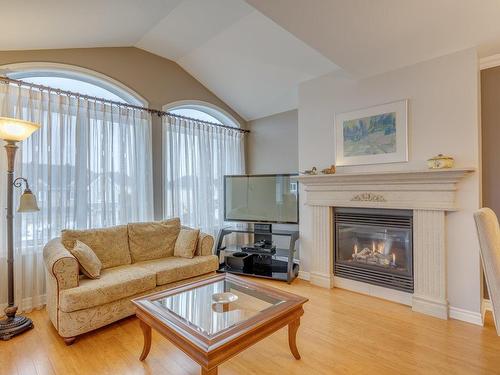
[(340, 333)]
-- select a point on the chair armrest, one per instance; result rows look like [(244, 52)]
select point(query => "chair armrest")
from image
[(60, 264), (205, 244)]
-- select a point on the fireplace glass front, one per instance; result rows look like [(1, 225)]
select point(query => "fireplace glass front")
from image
[(375, 246)]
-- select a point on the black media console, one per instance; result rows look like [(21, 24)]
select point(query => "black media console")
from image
[(261, 258)]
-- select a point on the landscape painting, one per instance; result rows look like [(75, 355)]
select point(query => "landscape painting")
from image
[(373, 135), (370, 135)]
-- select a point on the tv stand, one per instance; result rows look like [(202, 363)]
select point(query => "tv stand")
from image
[(265, 262)]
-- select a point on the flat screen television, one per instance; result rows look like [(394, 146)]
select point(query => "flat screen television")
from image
[(271, 198)]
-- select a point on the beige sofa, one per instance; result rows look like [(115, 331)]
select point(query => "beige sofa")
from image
[(137, 259)]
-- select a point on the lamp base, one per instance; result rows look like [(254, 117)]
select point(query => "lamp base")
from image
[(13, 325)]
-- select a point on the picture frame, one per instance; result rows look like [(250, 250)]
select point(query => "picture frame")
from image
[(373, 135)]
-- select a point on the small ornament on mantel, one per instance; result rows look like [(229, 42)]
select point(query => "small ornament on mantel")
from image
[(312, 172), (330, 170), (440, 162)]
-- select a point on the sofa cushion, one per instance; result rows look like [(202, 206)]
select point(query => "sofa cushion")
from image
[(153, 240), (169, 270), (109, 244), (114, 284), (186, 242), (205, 244), (90, 265)]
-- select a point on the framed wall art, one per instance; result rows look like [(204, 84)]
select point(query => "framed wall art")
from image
[(373, 135)]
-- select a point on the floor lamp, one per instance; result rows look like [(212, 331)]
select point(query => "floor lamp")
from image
[(13, 131)]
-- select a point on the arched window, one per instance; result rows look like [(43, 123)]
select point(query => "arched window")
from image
[(107, 171), (202, 111), (75, 79)]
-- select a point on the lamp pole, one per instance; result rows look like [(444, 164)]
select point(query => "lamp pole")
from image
[(13, 324), (13, 131)]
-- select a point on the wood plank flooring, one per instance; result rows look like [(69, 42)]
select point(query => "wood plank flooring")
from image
[(341, 333)]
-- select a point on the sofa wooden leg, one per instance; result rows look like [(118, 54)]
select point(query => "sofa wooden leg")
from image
[(69, 340)]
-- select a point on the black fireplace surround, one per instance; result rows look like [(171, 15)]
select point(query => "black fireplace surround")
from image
[(374, 246)]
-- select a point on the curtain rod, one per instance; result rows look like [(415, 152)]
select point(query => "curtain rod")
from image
[(8, 80)]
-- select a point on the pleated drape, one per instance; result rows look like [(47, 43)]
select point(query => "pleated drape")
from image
[(196, 156)]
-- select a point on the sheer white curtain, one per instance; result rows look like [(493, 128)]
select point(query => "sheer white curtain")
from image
[(196, 156), (89, 165)]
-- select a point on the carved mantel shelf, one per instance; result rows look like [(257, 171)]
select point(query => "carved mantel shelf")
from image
[(421, 189)]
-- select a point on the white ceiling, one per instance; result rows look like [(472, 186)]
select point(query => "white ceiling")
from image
[(34, 24), (365, 37), (247, 60), (253, 54), (250, 62)]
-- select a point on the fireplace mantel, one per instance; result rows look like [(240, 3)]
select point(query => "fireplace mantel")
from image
[(429, 193), (422, 189)]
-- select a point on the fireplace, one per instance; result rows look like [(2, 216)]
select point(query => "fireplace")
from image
[(375, 246)]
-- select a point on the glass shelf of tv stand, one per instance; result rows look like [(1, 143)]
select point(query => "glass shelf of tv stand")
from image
[(283, 266), (281, 254), (274, 232), (279, 269)]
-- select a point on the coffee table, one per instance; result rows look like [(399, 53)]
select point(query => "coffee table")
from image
[(211, 333)]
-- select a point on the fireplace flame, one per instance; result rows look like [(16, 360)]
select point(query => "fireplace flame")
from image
[(380, 247)]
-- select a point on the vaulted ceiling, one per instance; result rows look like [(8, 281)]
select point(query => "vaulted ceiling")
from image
[(366, 37), (253, 54)]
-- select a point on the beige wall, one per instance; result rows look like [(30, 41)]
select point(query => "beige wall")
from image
[(272, 145), (443, 118), (158, 80), (490, 128)]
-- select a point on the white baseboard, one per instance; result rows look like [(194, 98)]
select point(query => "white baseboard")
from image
[(466, 316), (429, 306), (304, 275), (322, 280), (486, 306)]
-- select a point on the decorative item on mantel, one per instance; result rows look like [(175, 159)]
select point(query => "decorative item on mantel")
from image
[(440, 162), (330, 170), (312, 172)]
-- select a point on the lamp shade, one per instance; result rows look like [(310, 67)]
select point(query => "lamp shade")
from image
[(12, 129), (27, 202)]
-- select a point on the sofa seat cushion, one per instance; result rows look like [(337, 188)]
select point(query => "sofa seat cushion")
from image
[(109, 244), (114, 284), (172, 269), (153, 240)]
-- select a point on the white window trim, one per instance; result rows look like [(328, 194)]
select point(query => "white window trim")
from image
[(211, 109), (48, 69)]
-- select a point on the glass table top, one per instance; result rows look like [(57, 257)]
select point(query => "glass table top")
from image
[(196, 307)]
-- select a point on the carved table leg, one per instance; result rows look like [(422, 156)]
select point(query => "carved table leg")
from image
[(146, 330), (209, 372), (292, 337)]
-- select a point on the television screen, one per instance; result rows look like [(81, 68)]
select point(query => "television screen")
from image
[(261, 198)]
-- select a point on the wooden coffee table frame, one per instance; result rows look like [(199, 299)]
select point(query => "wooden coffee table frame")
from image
[(210, 352)]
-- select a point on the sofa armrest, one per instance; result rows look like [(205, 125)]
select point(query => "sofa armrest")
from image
[(205, 244), (60, 264)]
